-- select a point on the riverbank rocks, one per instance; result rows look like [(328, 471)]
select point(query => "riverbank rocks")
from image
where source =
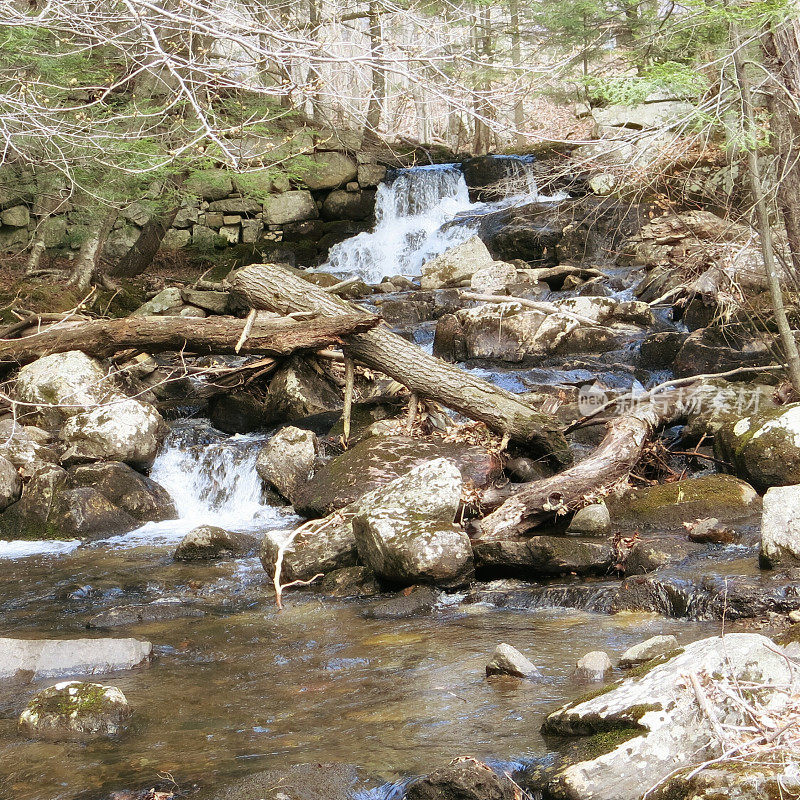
[(593, 520), (542, 556), (209, 542), (27, 447), (378, 460), (780, 528), (97, 421), (593, 667), (288, 459), (456, 265), (10, 483), (26, 660), (431, 490), (405, 548), (646, 651), (671, 504), (720, 349), (75, 712), (297, 390), (463, 779), (764, 448), (650, 725), (507, 660)]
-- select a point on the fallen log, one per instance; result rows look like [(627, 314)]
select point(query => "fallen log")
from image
[(611, 462), (102, 338), (271, 287)]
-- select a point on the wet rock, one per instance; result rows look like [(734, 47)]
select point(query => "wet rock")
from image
[(648, 650), (10, 483), (287, 461), (709, 531), (448, 340), (456, 265), (658, 350), (780, 528), (714, 349), (376, 461), (463, 779), (655, 552), (507, 660), (413, 602), (341, 204), (162, 610), (33, 659), (297, 391), (299, 782), (240, 412), (594, 520), (543, 556), (350, 582), (431, 489), (656, 720), (671, 504), (405, 548), (593, 667), (85, 513), (765, 447), (75, 712), (139, 496), (329, 171), (208, 542)]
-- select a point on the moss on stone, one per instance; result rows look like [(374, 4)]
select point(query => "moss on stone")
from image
[(89, 698), (788, 636)]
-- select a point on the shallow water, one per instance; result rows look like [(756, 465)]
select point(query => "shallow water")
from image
[(246, 688)]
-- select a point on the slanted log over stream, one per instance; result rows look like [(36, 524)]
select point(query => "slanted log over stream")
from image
[(103, 338), (271, 287)]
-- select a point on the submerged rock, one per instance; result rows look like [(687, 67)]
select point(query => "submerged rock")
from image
[(75, 711), (376, 461), (287, 460), (32, 659), (162, 610), (671, 504), (765, 447), (431, 489), (507, 660), (593, 667), (648, 650), (655, 721), (412, 602), (463, 779), (406, 548), (209, 542)]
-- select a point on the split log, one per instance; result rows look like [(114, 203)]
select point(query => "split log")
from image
[(103, 338), (274, 288), (611, 462)]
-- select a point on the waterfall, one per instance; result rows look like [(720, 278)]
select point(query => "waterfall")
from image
[(212, 479), (412, 212), (409, 214)]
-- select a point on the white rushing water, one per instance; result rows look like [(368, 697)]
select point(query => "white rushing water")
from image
[(213, 480), (412, 213)]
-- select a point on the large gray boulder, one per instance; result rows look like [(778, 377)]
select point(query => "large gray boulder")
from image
[(405, 548), (456, 265), (764, 448), (32, 659), (507, 660), (431, 490), (780, 527), (542, 556), (297, 390), (295, 206), (652, 723), (27, 447), (99, 422), (330, 170), (75, 712), (287, 460), (10, 483), (463, 779)]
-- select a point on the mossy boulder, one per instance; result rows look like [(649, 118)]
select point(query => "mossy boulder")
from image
[(763, 448), (209, 184), (669, 505), (76, 711)]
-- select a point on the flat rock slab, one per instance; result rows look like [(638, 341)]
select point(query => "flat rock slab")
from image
[(139, 613), (32, 659)]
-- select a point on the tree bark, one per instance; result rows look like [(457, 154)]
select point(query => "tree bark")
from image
[(378, 90), (89, 255), (271, 287), (141, 255), (611, 462), (103, 338)]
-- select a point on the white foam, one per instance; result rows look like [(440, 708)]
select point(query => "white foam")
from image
[(22, 548)]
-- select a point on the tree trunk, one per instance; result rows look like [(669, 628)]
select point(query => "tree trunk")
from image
[(481, 100), (771, 266), (782, 57), (89, 255), (271, 287), (141, 255), (610, 463), (378, 90), (516, 60), (103, 338)]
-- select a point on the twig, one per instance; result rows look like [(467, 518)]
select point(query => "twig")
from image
[(248, 326), (349, 380)]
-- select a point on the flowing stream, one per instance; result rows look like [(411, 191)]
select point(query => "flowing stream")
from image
[(245, 688)]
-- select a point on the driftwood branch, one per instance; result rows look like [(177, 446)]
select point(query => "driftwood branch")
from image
[(274, 288), (103, 338)]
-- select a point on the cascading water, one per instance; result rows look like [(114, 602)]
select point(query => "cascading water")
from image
[(409, 215), (412, 216), (213, 480)]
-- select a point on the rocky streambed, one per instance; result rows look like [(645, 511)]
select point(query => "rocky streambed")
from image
[(147, 506)]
